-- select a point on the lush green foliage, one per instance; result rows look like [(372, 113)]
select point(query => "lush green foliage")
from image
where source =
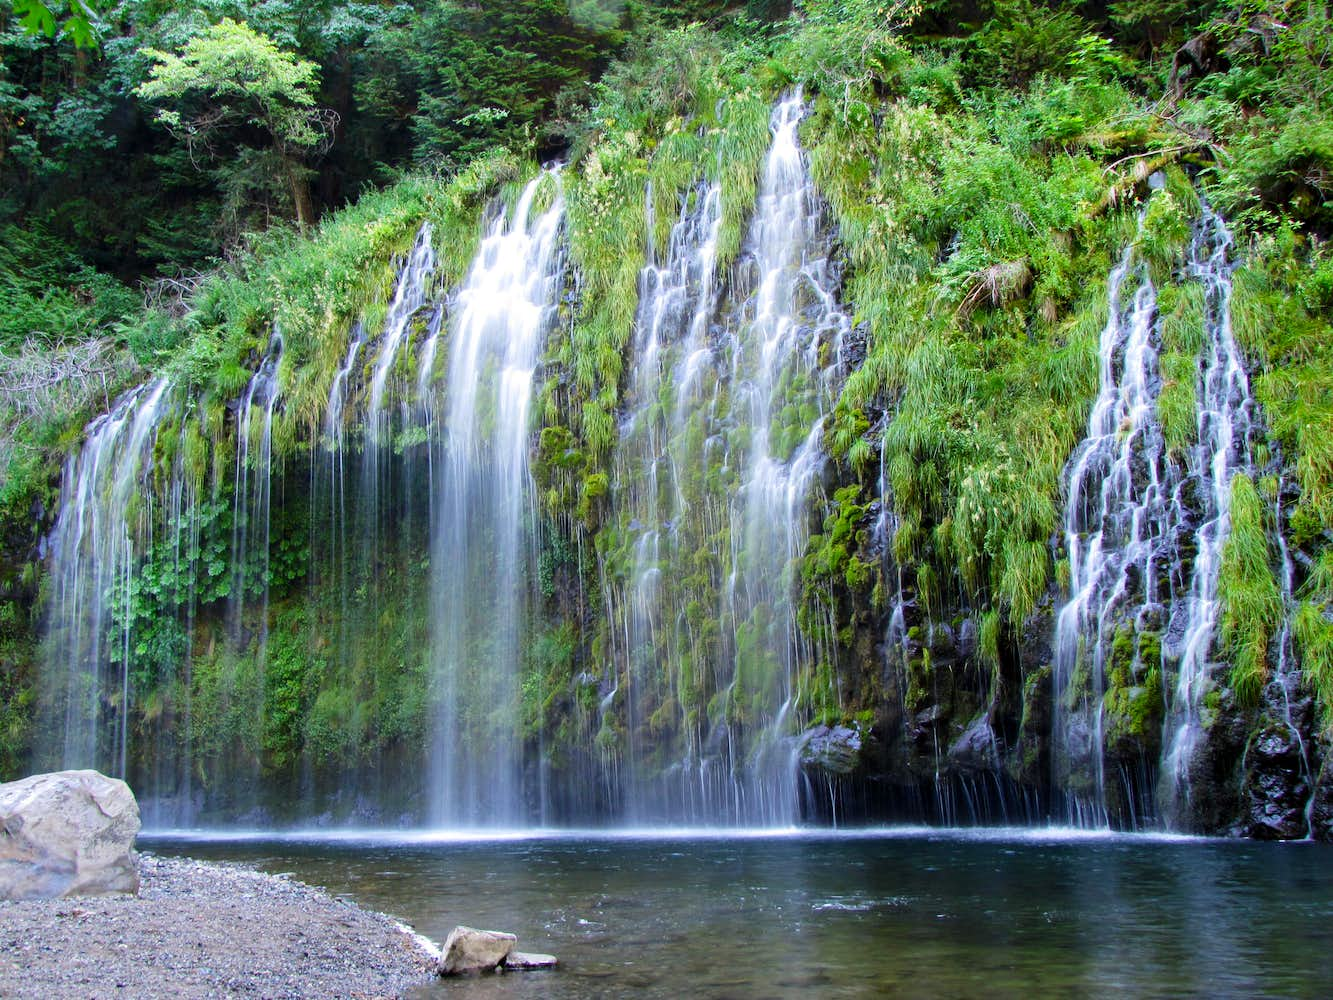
[(983, 166), (244, 78), (1251, 601)]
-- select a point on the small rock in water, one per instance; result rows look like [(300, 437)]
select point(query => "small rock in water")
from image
[(529, 960), (470, 950)]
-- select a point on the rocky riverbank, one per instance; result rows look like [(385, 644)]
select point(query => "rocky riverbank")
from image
[(205, 930)]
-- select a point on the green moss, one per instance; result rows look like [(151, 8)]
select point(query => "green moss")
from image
[(833, 555), (1135, 711), (1120, 659)]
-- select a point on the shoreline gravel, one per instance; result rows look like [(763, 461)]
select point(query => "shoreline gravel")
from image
[(199, 929)]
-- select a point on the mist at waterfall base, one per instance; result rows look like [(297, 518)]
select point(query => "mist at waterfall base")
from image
[(925, 913), (418, 498)]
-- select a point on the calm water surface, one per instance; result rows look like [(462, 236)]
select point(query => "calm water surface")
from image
[(921, 913)]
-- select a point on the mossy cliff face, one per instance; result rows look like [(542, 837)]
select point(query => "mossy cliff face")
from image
[(899, 661)]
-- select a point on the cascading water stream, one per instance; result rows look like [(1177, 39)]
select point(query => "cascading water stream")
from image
[(409, 298), (722, 440), (1225, 421), (105, 520), (1115, 533), (1130, 513), (482, 515), (251, 519), (335, 444), (676, 301), (785, 359), (426, 364)]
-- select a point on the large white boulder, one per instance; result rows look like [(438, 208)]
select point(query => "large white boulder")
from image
[(471, 950), (69, 833)]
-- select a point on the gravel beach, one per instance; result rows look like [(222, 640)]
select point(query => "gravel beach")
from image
[(205, 930)]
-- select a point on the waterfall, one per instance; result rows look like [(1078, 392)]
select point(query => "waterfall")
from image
[(722, 445), (253, 491), (482, 516), (676, 302), (335, 444), (1225, 420), (786, 357), (105, 521), (409, 299), (417, 633), (1115, 533), (1137, 525)]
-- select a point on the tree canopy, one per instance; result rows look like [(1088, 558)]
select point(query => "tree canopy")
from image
[(237, 76)]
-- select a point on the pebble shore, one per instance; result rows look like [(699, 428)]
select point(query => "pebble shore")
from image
[(206, 930)]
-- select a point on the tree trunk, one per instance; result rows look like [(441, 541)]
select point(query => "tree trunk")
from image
[(300, 187)]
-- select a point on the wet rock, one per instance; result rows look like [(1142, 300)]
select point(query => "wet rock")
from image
[(1208, 798), (1036, 650), (927, 724), (470, 950), (975, 749), (1321, 808), (525, 960), (1132, 723), (835, 749), (1030, 761), (68, 833), (1276, 787)]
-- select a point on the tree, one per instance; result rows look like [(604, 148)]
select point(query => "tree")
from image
[(464, 75), (231, 81)]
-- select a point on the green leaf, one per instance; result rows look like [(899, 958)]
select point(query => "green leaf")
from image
[(36, 17), (80, 30)]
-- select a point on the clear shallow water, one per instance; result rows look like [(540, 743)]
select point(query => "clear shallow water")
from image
[(904, 913)]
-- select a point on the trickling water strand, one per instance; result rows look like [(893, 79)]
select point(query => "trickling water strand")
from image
[(482, 516), (171, 803), (696, 351), (426, 364), (335, 444), (1284, 685), (1225, 420), (338, 392), (785, 359), (1115, 534), (409, 298), (103, 522), (675, 302), (897, 644), (253, 489)]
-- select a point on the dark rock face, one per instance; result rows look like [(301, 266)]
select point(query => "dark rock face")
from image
[(961, 737), (1321, 807), (1030, 764), (976, 750), (1209, 800), (1276, 787), (834, 749)]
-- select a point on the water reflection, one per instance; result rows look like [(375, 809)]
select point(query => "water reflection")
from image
[(926, 915)]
